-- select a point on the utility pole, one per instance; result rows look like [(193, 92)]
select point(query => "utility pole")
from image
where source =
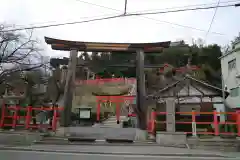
[(223, 93), (125, 7)]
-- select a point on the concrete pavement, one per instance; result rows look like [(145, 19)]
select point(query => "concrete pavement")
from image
[(120, 150), (24, 138), (36, 155)]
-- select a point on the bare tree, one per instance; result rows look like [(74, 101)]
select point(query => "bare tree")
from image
[(18, 52)]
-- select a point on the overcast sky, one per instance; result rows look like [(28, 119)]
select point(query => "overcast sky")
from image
[(129, 29)]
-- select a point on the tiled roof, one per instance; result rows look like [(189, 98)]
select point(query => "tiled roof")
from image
[(176, 82)]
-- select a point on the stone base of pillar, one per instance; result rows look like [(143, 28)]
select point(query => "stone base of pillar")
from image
[(216, 138), (141, 135), (151, 137), (63, 132), (194, 137), (171, 138)]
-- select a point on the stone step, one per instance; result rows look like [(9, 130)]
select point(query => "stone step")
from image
[(115, 119), (110, 126), (111, 122)]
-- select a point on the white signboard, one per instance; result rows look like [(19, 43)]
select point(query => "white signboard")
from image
[(85, 114)]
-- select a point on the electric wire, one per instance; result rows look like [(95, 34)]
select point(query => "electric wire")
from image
[(211, 23), (122, 15)]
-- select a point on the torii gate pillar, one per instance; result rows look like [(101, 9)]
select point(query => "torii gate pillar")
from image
[(141, 91), (65, 119)]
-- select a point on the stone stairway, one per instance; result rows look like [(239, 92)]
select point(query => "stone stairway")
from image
[(111, 122), (127, 106)]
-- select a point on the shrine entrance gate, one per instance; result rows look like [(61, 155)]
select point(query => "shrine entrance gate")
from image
[(121, 103)]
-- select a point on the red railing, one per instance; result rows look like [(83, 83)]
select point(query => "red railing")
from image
[(153, 122), (27, 118)]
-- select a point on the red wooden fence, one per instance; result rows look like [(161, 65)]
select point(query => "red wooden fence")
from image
[(28, 116), (153, 122)]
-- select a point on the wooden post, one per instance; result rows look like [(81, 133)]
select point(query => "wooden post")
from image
[(3, 110), (69, 89), (238, 122), (152, 122), (141, 93), (194, 124), (215, 123), (98, 109), (118, 111), (28, 117)]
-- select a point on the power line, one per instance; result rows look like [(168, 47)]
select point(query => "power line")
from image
[(97, 5), (214, 15), (153, 19), (62, 24), (183, 10), (46, 22), (101, 6), (184, 26), (186, 6), (121, 15)]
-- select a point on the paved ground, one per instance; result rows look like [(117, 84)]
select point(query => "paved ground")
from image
[(20, 137), (106, 152), (36, 155)]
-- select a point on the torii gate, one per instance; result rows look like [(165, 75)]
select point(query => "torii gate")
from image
[(138, 48)]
